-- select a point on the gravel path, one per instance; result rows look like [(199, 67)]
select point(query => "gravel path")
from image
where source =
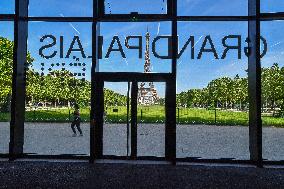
[(192, 140)]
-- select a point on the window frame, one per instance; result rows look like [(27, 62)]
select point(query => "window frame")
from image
[(21, 19)]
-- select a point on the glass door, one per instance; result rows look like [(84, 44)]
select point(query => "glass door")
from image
[(151, 119), (116, 119), (133, 120)]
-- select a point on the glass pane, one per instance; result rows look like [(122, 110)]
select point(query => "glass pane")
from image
[(212, 84), (272, 91), (115, 138), (6, 69), (7, 6), (55, 8), (212, 8), (120, 57), (151, 119), (272, 6), (141, 6), (58, 79)]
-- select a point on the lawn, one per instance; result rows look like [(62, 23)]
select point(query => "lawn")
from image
[(150, 114)]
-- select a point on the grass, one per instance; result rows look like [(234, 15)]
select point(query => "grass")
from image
[(152, 114), (205, 116)]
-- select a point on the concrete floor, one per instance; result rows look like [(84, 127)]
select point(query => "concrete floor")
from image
[(192, 140), (60, 175)]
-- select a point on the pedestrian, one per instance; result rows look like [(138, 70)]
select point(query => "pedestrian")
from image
[(76, 121)]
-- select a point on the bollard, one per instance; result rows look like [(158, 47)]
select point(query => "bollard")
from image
[(69, 116)]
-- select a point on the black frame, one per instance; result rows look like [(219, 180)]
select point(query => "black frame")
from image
[(104, 15), (134, 78), (21, 19)]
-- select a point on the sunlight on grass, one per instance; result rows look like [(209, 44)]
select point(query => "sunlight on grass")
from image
[(151, 114)]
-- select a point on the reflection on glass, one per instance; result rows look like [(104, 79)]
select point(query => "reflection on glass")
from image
[(141, 7), (6, 69), (55, 8), (213, 8), (7, 6), (124, 47), (151, 119), (271, 6), (272, 91), (115, 130), (212, 87), (58, 88)]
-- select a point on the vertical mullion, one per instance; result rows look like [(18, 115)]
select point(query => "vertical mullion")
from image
[(98, 117), (92, 113), (101, 8), (19, 80), (127, 119), (94, 87), (169, 7), (174, 38), (170, 138), (93, 70), (254, 82), (134, 93)]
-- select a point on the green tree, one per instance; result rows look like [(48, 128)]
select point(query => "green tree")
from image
[(6, 71)]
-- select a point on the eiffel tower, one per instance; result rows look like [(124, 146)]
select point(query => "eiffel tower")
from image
[(147, 95)]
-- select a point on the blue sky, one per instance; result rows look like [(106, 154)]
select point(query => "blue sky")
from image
[(185, 7), (191, 73)]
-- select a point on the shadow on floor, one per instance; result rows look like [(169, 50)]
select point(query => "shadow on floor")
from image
[(84, 175)]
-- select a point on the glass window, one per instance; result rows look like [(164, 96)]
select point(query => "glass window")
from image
[(55, 8), (58, 80), (212, 90), (6, 69), (212, 8), (151, 119), (142, 6), (116, 138), (272, 91), (7, 6), (124, 47), (272, 6)]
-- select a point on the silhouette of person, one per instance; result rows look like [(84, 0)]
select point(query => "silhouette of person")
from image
[(76, 121)]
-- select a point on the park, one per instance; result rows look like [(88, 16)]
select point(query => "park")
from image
[(150, 114), (217, 114), (141, 94)]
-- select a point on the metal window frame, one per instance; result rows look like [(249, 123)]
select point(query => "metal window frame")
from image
[(101, 78), (115, 15), (21, 19)]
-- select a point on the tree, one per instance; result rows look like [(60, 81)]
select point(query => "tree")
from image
[(6, 71), (272, 86), (240, 91)]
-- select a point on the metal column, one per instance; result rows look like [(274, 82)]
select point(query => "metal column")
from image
[(134, 93), (170, 102), (254, 83), (98, 122), (19, 80)]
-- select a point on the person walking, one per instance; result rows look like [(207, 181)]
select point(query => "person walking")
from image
[(76, 121)]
